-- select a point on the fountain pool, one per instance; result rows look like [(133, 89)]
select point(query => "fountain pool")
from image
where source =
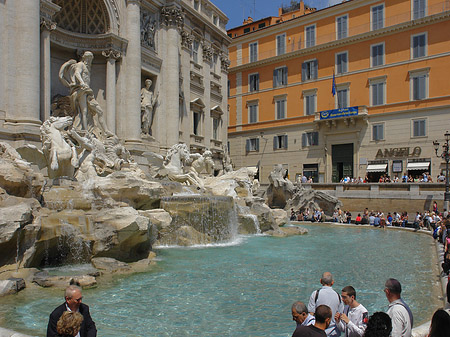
[(246, 289)]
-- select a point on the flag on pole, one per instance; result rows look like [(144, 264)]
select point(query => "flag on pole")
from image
[(333, 86)]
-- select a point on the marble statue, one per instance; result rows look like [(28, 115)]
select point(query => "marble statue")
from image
[(226, 161), (148, 103), (88, 113), (58, 148), (148, 29), (202, 162)]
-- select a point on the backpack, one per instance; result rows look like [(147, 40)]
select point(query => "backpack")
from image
[(317, 295)]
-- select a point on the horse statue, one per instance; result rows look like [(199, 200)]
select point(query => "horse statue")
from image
[(57, 147)]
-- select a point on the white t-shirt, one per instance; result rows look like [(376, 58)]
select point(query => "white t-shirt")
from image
[(358, 321)]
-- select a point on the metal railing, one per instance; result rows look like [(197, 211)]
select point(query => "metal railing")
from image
[(389, 21)]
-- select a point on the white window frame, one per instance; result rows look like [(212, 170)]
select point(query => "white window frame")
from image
[(281, 84), (383, 126), (249, 82), (377, 80), (383, 57), (252, 141), (282, 142), (412, 10), (426, 127), (309, 93), (371, 16), (279, 99), (339, 87), (283, 36), (311, 61), (416, 73), (346, 27), (250, 104), (306, 34), (336, 62), (195, 51), (250, 59), (412, 45), (308, 142)]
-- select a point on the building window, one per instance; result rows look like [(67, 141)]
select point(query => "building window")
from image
[(214, 63), (309, 70), (252, 112), (262, 25), (247, 30), (216, 128), (215, 19), (419, 127), (342, 97), (197, 4), (196, 123), (310, 99), (377, 92), (341, 62), (377, 17), (310, 36), (310, 139), (281, 44), (280, 142), (280, 108), (253, 51), (280, 76), (377, 54), (253, 82), (378, 131), (418, 45), (252, 145), (341, 27), (418, 81), (195, 45), (419, 9)]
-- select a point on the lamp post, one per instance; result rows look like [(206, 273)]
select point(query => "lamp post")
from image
[(446, 156)]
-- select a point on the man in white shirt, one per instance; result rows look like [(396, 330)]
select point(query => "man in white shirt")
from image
[(353, 321), (398, 311), (301, 315)]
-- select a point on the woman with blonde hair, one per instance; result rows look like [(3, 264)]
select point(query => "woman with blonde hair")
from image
[(69, 324)]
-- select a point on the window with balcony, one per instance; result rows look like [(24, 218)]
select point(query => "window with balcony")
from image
[(341, 27), (280, 142), (310, 139), (253, 112), (252, 145), (280, 77), (377, 54), (377, 17), (253, 82), (419, 45), (419, 8), (309, 70), (280, 108), (342, 98), (419, 127), (378, 131), (253, 51), (310, 36), (341, 62), (281, 44)]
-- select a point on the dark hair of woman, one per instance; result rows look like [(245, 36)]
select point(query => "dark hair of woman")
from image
[(440, 324), (379, 325)]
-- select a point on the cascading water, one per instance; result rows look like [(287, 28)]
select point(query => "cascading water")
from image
[(200, 219)]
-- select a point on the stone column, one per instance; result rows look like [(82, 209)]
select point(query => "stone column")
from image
[(46, 27), (27, 58), (131, 118), (111, 56), (172, 19)]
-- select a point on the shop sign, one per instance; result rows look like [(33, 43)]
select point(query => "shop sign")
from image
[(399, 152), (336, 113)]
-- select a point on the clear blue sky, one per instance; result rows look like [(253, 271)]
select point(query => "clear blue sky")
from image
[(238, 10)]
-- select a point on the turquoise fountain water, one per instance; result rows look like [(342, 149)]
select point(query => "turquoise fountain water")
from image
[(246, 289)]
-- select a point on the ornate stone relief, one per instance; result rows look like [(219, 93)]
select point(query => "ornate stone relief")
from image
[(111, 53), (224, 61), (207, 53), (172, 16), (186, 39), (148, 30), (47, 24)]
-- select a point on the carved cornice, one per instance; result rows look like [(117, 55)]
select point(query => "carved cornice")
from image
[(94, 43), (47, 24), (112, 54), (172, 16), (48, 9)]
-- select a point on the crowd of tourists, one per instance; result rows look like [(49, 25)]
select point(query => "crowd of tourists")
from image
[(329, 313)]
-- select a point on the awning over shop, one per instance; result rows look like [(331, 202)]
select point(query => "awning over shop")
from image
[(376, 168), (418, 166)]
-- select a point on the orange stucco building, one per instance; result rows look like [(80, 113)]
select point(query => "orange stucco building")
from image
[(359, 88)]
